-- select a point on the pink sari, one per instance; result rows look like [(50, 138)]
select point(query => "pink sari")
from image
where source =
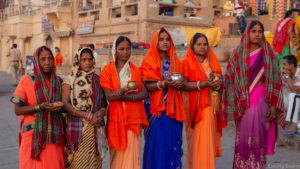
[(254, 138)]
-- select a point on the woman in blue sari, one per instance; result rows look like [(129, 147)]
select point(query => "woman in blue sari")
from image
[(164, 107)]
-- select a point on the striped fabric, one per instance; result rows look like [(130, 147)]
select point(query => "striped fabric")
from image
[(236, 82), (85, 157)]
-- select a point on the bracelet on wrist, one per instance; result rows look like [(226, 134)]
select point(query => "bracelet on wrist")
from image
[(157, 84), (198, 85), (163, 84), (37, 108), (88, 116)]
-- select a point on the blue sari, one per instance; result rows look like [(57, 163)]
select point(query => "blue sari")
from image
[(163, 137)]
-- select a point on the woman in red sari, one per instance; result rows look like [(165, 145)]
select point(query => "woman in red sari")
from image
[(41, 124)]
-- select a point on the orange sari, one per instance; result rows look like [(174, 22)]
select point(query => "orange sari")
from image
[(53, 156), (121, 118), (58, 59), (151, 68), (204, 126)]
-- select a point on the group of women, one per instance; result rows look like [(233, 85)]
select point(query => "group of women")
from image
[(62, 122)]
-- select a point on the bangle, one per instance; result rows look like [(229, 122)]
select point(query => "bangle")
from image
[(163, 84), (133, 98), (119, 93), (201, 85), (88, 116), (37, 108), (157, 84), (74, 113), (198, 85)]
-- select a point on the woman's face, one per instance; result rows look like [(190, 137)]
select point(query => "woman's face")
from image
[(123, 51), (256, 34), (200, 46), (86, 62), (46, 61), (164, 42)]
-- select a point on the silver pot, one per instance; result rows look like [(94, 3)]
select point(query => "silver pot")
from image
[(176, 77)]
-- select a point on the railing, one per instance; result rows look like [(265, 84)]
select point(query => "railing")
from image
[(89, 5), (57, 3)]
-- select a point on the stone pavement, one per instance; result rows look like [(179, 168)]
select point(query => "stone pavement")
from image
[(284, 158)]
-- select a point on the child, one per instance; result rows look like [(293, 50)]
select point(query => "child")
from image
[(291, 91)]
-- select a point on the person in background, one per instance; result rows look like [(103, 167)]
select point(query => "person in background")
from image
[(283, 36), (239, 10), (97, 64), (291, 93), (15, 62), (297, 38), (58, 60), (42, 125)]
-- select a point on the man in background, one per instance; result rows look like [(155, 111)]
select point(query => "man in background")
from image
[(15, 62), (239, 10)]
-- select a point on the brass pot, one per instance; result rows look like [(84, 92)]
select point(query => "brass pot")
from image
[(176, 77), (131, 85)]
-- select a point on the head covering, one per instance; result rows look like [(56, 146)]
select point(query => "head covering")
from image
[(194, 72), (86, 95), (123, 115), (125, 72), (48, 126), (151, 68), (237, 77)]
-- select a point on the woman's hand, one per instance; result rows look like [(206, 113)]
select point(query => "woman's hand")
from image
[(96, 120), (101, 114), (272, 114), (127, 91), (174, 84), (46, 107)]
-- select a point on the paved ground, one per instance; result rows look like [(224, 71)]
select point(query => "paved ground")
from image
[(284, 158)]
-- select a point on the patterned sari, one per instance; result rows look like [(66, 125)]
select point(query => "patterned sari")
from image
[(86, 143), (249, 103), (251, 130)]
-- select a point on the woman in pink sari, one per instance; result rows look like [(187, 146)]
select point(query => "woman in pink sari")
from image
[(252, 93)]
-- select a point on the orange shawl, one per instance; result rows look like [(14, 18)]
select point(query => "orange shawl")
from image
[(193, 71), (151, 70), (122, 118)]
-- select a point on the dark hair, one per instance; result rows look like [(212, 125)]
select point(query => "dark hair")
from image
[(122, 39), (256, 22), (14, 45), (42, 48), (92, 46), (196, 37), (291, 59), (288, 13), (57, 48), (86, 50)]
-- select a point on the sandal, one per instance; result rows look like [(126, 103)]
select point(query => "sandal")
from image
[(290, 133)]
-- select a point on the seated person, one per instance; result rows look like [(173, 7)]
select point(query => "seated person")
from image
[(291, 93)]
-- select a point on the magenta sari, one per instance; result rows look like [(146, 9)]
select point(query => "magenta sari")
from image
[(255, 136)]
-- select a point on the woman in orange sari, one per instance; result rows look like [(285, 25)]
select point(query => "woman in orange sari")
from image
[(42, 128), (164, 107), (126, 114), (204, 127)]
